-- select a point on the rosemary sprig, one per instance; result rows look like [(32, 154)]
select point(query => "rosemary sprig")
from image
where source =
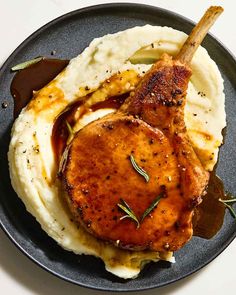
[(71, 132), (69, 127), (140, 170), (130, 214), (231, 210), (152, 206), (226, 203), (26, 64)]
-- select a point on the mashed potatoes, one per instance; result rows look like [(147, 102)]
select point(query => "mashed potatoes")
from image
[(31, 158)]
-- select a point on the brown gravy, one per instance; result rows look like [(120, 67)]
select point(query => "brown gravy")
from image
[(209, 215), (34, 78), (60, 131), (114, 102)]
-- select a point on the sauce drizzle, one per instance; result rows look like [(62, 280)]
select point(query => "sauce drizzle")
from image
[(32, 79), (209, 215)]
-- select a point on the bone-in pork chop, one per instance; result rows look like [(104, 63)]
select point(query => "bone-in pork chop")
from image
[(140, 157)]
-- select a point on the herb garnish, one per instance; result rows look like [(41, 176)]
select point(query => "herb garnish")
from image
[(130, 214), (226, 203), (152, 206), (71, 132), (140, 170), (26, 64)]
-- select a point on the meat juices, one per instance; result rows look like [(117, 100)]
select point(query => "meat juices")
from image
[(97, 172)]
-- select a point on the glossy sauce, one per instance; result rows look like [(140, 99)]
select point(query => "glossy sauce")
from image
[(114, 102), (60, 131), (208, 216), (33, 78)]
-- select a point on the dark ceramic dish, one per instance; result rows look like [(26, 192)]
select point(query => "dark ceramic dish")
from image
[(69, 35)]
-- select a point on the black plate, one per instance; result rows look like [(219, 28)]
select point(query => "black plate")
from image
[(69, 35)]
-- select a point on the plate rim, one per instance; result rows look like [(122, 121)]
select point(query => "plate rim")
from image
[(37, 32)]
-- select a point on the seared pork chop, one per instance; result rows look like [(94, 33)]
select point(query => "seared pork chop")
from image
[(140, 157)]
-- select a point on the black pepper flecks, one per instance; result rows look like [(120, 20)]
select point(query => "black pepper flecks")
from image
[(169, 103), (36, 149), (202, 94), (179, 102), (151, 141), (176, 92), (85, 191), (167, 233), (108, 126), (177, 225)]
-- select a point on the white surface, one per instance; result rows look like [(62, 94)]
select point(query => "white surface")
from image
[(18, 275)]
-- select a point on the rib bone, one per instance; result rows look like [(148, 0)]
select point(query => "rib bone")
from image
[(198, 33)]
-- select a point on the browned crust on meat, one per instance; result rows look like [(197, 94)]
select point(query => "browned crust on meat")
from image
[(159, 99)]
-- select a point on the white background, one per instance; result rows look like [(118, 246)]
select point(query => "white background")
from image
[(20, 276)]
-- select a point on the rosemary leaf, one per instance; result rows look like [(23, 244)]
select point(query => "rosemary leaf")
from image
[(228, 201), (71, 132), (152, 206), (145, 55), (26, 64), (130, 214), (231, 210), (140, 170), (69, 127), (225, 202)]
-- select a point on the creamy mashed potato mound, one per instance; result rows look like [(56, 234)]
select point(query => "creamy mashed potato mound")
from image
[(31, 158)]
